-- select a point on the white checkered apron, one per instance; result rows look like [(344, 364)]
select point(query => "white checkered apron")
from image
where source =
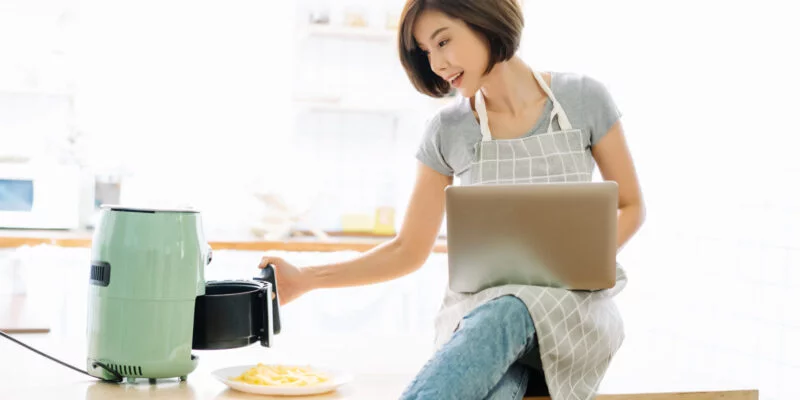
[(578, 332)]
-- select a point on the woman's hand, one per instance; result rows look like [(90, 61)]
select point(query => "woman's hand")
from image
[(292, 282)]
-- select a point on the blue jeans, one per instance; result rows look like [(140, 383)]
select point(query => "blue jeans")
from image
[(479, 360)]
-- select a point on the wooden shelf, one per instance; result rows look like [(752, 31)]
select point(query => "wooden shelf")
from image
[(20, 315), (337, 242)]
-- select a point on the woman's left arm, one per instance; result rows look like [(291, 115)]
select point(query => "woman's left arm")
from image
[(616, 164)]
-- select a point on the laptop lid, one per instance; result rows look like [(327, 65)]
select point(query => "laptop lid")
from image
[(547, 234)]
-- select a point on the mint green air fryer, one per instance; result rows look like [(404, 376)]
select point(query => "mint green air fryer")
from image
[(146, 282)]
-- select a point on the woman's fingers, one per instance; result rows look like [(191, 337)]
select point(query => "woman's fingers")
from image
[(266, 260)]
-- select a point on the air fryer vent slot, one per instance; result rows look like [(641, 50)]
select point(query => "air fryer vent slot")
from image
[(100, 273), (127, 370)]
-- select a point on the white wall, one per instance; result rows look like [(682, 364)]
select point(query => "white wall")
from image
[(190, 97), (708, 91)]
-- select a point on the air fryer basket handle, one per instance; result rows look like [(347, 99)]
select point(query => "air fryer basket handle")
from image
[(268, 275), (266, 329)]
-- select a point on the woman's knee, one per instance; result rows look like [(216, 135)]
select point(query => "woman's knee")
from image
[(503, 325), (505, 316), (501, 310)]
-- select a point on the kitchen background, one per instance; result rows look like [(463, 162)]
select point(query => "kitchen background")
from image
[(236, 107)]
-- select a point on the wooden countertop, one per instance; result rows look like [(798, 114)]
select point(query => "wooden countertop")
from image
[(26, 375), (11, 238)]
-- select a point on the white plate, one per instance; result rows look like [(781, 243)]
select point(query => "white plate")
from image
[(337, 378)]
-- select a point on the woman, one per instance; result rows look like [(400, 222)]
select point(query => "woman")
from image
[(547, 127)]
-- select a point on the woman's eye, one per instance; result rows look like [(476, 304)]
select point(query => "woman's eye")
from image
[(443, 42)]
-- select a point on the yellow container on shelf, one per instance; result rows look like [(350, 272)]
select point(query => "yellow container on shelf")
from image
[(357, 222), (384, 221)]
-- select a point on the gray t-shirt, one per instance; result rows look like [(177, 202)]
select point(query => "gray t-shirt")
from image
[(448, 145)]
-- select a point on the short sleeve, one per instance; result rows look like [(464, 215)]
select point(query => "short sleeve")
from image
[(430, 150), (599, 108)]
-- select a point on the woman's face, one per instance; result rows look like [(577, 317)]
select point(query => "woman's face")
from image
[(455, 52)]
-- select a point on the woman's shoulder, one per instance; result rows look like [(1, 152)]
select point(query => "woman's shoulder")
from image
[(457, 110), (446, 142), (575, 84), (454, 116), (588, 102)]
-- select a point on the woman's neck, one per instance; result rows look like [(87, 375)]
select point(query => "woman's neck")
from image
[(510, 87)]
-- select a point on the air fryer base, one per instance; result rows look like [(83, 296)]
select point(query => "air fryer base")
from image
[(149, 371)]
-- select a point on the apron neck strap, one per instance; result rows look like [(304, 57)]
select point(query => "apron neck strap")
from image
[(558, 111), (483, 118)]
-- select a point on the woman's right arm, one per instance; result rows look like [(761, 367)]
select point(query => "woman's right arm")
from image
[(403, 254), (406, 252)]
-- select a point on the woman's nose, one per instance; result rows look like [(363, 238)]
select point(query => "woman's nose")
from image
[(438, 63)]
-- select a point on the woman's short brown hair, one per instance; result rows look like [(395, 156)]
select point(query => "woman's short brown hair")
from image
[(499, 21)]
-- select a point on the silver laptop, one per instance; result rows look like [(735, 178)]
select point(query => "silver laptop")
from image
[(548, 234)]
